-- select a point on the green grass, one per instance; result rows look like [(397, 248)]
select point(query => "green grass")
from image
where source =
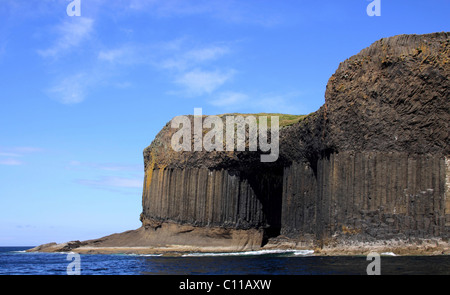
[(284, 119)]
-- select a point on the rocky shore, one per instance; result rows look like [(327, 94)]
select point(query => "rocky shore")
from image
[(346, 248)]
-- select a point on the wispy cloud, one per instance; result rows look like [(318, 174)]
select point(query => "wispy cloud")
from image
[(26, 149), (75, 88), (228, 11), (194, 57), (207, 53), (70, 90), (116, 177), (187, 63), (229, 99), (70, 34), (116, 167), (19, 151), (172, 8), (190, 66), (199, 82), (113, 182), (10, 162), (11, 156), (287, 103), (112, 55), (279, 103), (14, 155), (128, 54)]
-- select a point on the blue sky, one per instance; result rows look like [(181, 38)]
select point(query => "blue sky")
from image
[(81, 97)]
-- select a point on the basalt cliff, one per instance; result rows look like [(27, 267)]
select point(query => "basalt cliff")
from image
[(370, 168)]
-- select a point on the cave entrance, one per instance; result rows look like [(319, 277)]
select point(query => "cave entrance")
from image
[(267, 184)]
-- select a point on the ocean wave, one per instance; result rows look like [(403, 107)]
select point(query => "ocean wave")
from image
[(254, 253)]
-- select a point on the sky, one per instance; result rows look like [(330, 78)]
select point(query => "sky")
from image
[(82, 96)]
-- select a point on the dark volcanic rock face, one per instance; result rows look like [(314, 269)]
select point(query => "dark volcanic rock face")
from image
[(392, 96), (371, 164)]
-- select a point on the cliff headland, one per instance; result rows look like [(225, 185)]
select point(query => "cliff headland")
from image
[(368, 171)]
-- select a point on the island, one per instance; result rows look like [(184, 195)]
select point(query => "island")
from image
[(368, 171)]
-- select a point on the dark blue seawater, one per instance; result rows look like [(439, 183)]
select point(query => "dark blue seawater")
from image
[(14, 261)]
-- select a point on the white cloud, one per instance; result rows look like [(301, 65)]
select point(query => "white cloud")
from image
[(8, 156), (14, 155), (116, 167), (199, 82), (170, 8), (111, 55), (70, 90), (180, 59), (18, 151), (113, 182), (75, 88), (111, 176), (287, 103), (204, 54), (127, 55), (194, 57), (207, 53), (227, 99), (26, 149), (74, 163), (123, 85), (10, 162), (172, 45), (71, 33), (186, 62), (229, 11)]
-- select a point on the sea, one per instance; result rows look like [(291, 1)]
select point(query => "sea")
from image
[(16, 261)]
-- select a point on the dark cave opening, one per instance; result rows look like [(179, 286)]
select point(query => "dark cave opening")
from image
[(267, 184)]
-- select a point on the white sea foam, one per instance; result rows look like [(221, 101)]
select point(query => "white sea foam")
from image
[(149, 255), (251, 253), (388, 254), (304, 252), (143, 255)]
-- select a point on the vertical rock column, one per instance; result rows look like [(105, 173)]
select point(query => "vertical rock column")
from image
[(447, 191), (300, 199), (202, 197), (372, 195)]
